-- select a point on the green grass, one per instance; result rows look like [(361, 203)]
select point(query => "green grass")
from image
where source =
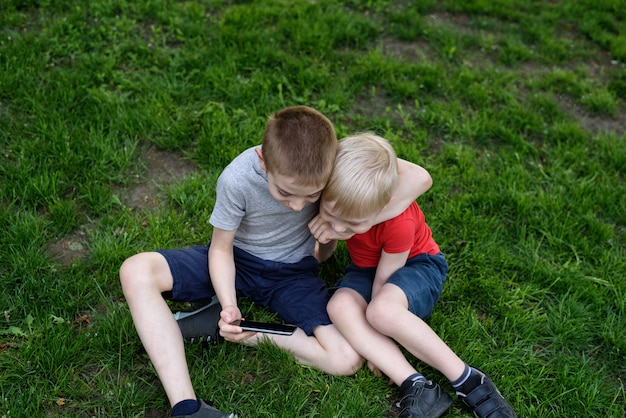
[(515, 107)]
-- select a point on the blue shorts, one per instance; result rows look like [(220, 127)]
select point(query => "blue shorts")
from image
[(292, 290), (421, 280)]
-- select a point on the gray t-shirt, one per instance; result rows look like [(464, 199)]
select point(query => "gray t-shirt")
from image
[(265, 228)]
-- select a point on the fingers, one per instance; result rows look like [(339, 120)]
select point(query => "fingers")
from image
[(321, 230), (324, 231), (230, 332), (229, 317), (316, 226), (234, 333)]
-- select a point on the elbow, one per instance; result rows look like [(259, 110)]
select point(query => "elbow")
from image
[(428, 180)]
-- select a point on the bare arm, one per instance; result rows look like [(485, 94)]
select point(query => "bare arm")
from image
[(222, 270), (324, 251), (413, 181), (387, 265)]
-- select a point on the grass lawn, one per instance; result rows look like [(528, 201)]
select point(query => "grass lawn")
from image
[(117, 116)]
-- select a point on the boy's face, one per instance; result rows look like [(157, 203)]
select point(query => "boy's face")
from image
[(290, 194), (287, 191), (345, 226)]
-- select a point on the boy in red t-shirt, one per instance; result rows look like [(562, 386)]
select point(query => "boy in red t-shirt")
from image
[(395, 279)]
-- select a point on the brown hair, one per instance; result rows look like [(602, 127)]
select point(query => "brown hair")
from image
[(365, 175), (300, 142)]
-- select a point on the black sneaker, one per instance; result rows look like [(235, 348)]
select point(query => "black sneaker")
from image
[(423, 399), (201, 325), (485, 400), (207, 411)]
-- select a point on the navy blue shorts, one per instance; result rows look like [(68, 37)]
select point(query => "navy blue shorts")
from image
[(292, 290), (421, 280)]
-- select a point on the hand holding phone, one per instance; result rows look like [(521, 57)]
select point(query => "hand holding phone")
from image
[(266, 327)]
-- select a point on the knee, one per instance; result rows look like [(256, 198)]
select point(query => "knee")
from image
[(134, 273), (336, 307), (127, 270), (379, 313)]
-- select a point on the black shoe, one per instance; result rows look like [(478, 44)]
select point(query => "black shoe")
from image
[(485, 400), (423, 399), (200, 325), (207, 411)]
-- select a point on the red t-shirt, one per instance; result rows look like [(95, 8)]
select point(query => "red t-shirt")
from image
[(406, 231)]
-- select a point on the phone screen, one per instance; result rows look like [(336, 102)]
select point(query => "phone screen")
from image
[(266, 327)]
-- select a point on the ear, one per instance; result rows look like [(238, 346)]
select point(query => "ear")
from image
[(259, 153)]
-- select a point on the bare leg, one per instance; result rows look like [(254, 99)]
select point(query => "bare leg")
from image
[(347, 310), (144, 277), (389, 314), (327, 350)]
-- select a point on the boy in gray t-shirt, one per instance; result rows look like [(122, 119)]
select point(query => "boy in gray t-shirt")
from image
[(261, 248)]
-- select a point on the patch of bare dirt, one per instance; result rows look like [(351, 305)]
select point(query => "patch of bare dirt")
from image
[(70, 248), (410, 51), (598, 124), (161, 169)]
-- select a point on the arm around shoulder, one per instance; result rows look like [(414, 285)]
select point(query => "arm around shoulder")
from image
[(413, 181)]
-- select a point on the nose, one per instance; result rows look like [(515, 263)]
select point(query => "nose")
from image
[(297, 204), (338, 227)]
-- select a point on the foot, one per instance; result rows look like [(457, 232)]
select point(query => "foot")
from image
[(484, 399), (423, 399), (200, 325), (207, 411)]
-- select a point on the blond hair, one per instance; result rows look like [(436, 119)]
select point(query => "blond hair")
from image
[(364, 177), (300, 142)]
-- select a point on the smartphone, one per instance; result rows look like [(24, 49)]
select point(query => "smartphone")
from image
[(266, 327)]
